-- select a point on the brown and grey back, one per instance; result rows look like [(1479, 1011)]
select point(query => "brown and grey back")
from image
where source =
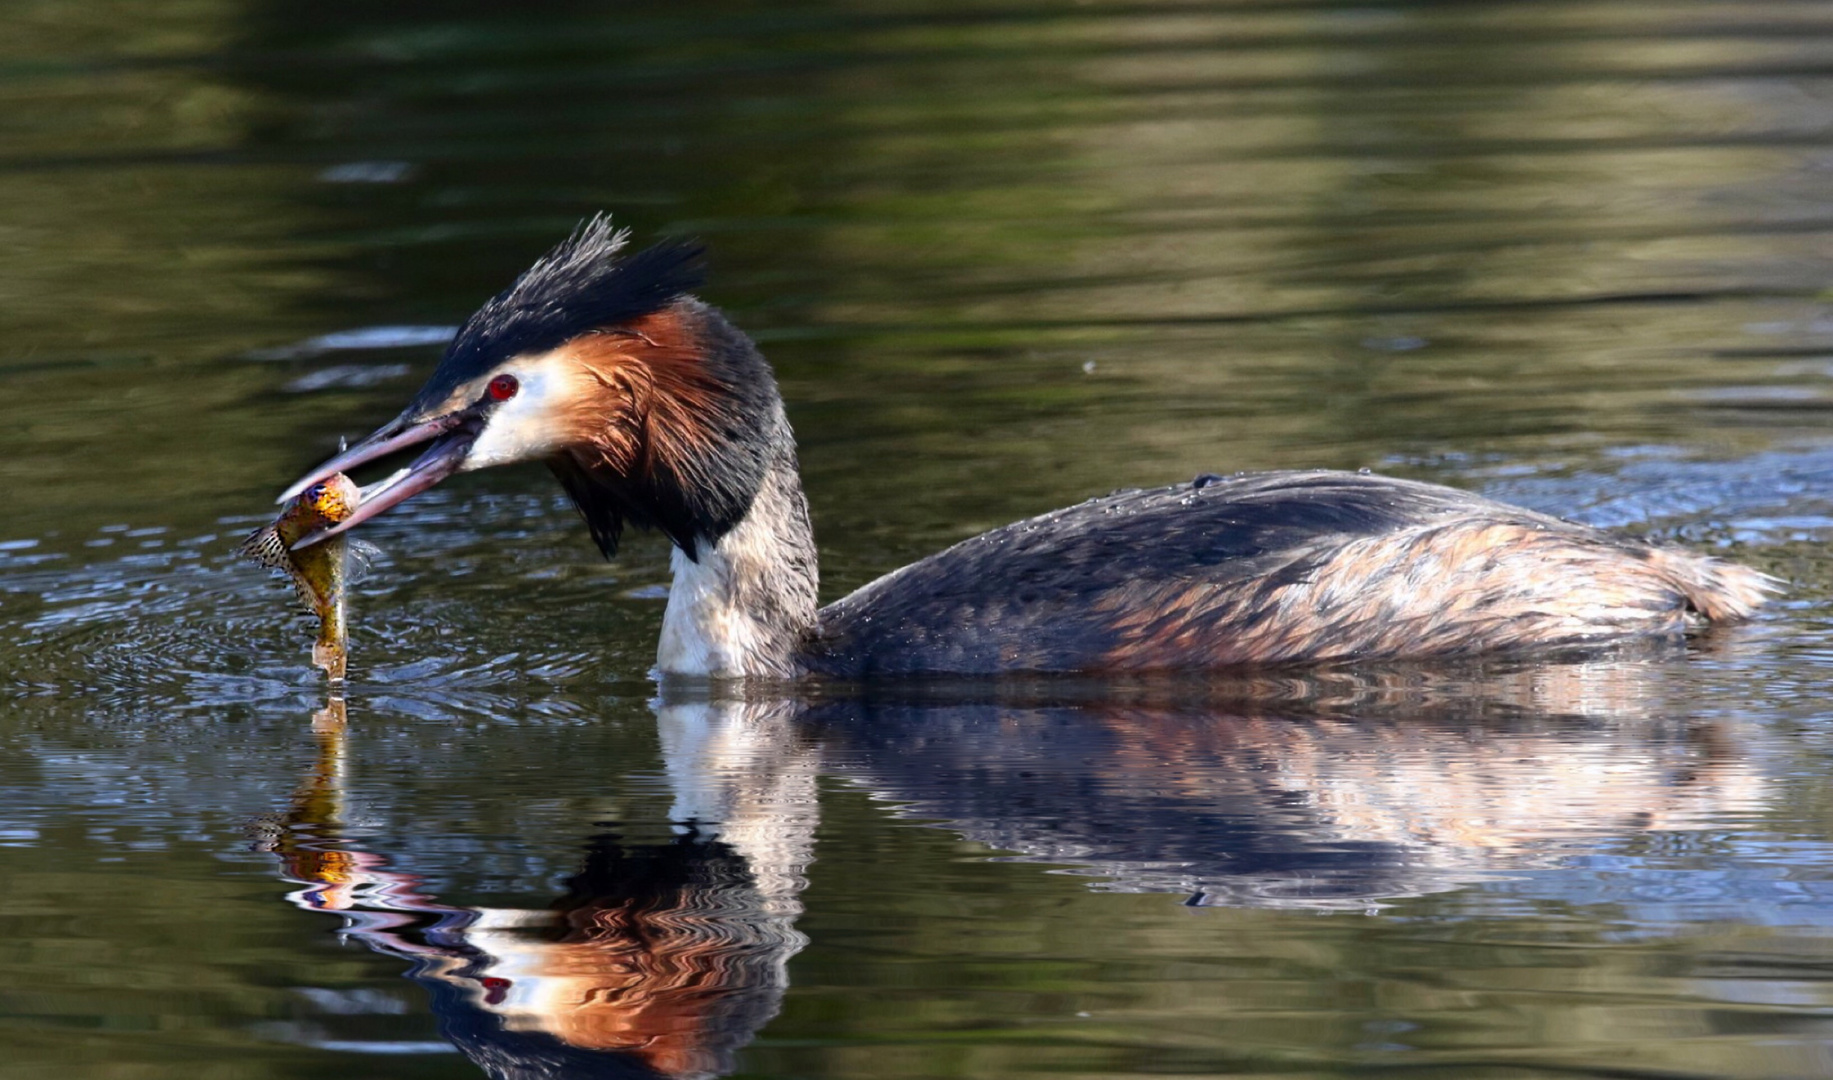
[(1271, 568)]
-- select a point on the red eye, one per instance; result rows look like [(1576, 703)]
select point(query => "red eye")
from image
[(504, 387)]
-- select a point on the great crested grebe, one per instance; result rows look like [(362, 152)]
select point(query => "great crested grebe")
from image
[(655, 411)]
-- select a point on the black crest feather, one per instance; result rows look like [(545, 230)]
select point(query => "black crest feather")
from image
[(579, 286)]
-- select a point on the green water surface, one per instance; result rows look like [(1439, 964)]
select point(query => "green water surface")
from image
[(1004, 256)]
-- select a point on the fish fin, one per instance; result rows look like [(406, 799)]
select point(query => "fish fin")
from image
[(265, 547), (304, 592), (359, 558)]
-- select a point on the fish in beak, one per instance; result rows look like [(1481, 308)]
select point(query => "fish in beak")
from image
[(321, 574), (447, 440)]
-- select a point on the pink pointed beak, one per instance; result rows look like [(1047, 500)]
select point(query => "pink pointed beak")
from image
[(451, 440)]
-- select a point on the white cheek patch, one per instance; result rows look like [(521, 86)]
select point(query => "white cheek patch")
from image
[(525, 427)]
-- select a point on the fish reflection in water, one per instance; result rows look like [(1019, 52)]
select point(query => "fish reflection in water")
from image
[(1326, 792)]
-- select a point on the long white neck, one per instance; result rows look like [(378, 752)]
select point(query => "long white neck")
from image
[(745, 605)]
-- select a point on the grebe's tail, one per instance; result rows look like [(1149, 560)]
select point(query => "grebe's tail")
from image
[(1718, 590)]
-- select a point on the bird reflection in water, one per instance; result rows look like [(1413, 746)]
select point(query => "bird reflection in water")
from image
[(1321, 791), (659, 960), (1325, 792)]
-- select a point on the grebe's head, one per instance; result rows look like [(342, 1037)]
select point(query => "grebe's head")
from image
[(645, 402)]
